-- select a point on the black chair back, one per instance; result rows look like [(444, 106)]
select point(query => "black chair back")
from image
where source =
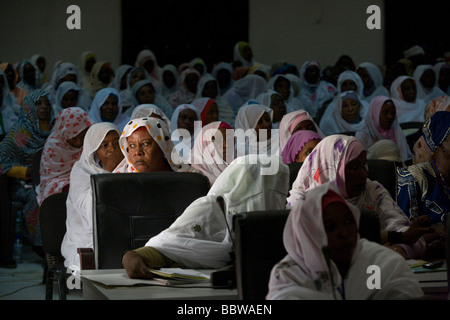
[(293, 171), (385, 172), (130, 208)]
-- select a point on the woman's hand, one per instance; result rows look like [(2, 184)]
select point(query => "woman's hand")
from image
[(419, 227), (136, 266)]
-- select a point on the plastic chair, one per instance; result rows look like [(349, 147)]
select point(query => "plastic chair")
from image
[(52, 219)]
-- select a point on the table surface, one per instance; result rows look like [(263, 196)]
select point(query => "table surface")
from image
[(94, 290)]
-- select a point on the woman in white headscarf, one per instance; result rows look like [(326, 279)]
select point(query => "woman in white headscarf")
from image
[(410, 108), (322, 264), (348, 115), (223, 72), (107, 107), (67, 96), (381, 123), (213, 149), (169, 80), (147, 59), (274, 100), (200, 237), (87, 61), (427, 88), (244, 89), (282, 84), (120, 80), (372, 79), (208, 87), (151, 151), (101, 154), (30, 76)]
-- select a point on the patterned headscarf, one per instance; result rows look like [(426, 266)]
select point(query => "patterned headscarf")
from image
[(58, 156), (159, 131), (296, 143), (26, 137), (436, 129)]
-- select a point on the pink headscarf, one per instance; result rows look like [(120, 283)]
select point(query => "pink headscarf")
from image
[(326, 164), (376, 105), (296, 143), (58, 156)]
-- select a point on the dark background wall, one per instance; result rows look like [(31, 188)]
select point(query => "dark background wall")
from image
[(178, 31)]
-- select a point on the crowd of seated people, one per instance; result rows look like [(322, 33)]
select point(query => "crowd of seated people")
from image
[(228, 121)]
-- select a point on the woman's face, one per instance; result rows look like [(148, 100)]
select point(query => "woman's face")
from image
[(210, 89), (110, 109), (41, 63), (109, 152), (146, 94), (348, 85), (191, 81), (77, 141), (144, 153), (149, 65), (220, 143), (186, 119), (356, 175), (106, 74), (247, 53), (387, 114), (169, 79), (350, 110), (428, 79), (307, 149), (305, 125), (278, 106), (213, 114), (70, 99), (312, 74), (342, 232), (43, 109), (10, 76), (283, 87), (89, 64), (365, 76), (264, 123), (29, 74), (136, 76), (409, 90)]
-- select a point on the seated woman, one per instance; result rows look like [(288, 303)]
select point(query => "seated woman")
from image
[(147, 147), (67, 97), (342, 160), (25, 138), (299, 146), (381, 123), (61, 150), (169, 80), (326, 259), (208, 87), (102, 75), (274, 101), (9, 107), (149, 110), (213, 150), (315, 92), (208, 109), (385, 149), (101, 154), (410, 108), (107, 107), (200, 237), (282, 84), (255, 122), (145, 92), (294, 121), (427, 85), (372, 78), (347, 116), (187, 88), (423, 188), (184, 127)]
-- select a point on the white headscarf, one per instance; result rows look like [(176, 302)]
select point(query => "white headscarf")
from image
[(199, 238), (244, 89), (165, 91), (100, 99), (333, 123), (406, 111), (146, 110), (62, 90), (422, 93), (377, 78), (143, 57), (292, 103), (79, 201)]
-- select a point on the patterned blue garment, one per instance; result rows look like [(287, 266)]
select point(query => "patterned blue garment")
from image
[(419, 192)]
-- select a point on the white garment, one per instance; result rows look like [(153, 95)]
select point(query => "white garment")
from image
[(406, 111), (79, 201), (121, 120), (199, 238), (423, 93), (377, 78)]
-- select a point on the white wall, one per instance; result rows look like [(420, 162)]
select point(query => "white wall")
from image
[(301, 30), (39, 26)]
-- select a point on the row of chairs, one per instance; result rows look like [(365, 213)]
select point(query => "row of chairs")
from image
[(125, 218)]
